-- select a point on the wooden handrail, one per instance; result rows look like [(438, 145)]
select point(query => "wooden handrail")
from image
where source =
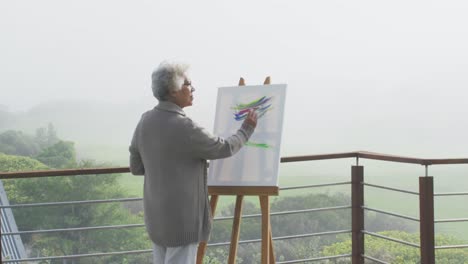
[(356, 154), (319, 157), (375, 156), (68, 172)]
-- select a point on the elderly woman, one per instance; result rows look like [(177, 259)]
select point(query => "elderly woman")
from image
[(171, 151)]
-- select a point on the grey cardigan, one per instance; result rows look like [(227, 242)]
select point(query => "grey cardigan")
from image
[(171, 151)]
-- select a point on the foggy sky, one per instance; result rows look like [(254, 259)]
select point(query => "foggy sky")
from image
[(386, 76)]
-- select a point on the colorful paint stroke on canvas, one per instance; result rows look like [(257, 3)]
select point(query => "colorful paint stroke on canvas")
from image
[(261, 106), (258, 145)]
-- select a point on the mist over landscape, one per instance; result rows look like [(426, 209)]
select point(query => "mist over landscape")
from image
[(383, 77), (386, 77)]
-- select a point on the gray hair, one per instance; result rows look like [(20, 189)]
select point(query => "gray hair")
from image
[(166, 78)]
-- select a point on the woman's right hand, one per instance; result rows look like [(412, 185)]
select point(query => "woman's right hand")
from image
[(251, 118)]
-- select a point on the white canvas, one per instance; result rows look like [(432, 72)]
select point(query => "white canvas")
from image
[(257, 163)]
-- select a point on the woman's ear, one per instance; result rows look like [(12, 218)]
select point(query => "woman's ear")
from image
[(173, 94)]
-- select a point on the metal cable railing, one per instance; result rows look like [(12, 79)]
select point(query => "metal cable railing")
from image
[(392, 214), (72, 203), (357, 155), (80, 229), (140, 199), (116, 253), (451, 247), (283, 238), (454, 220), (313, 186), (451, 194), (71, 229), (142, 225), (209, 245), (390, 189), (391, 239), (315, 259), (289, 212), (375, 260)]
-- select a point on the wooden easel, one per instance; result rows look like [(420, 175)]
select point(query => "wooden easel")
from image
[(263, 193)]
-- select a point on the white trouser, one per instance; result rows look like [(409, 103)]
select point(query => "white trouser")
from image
[(175, 255)]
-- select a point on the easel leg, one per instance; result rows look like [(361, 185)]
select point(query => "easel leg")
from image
[(213, 203), (272, 252), (265, 207), (235, 230), (202, 245)]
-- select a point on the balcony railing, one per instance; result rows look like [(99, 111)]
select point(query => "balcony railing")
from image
[(357, 185)]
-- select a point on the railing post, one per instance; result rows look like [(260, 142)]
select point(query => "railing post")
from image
[(357, 203), (426, 215), (1, 256)]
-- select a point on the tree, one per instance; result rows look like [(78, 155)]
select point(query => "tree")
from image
[(46, 137), (73, 188), (294, 224), (60, 155), (284, 225), (17, 143), (5, 117), (11, 163), (14, 142), (41, 137), (393, 252)]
